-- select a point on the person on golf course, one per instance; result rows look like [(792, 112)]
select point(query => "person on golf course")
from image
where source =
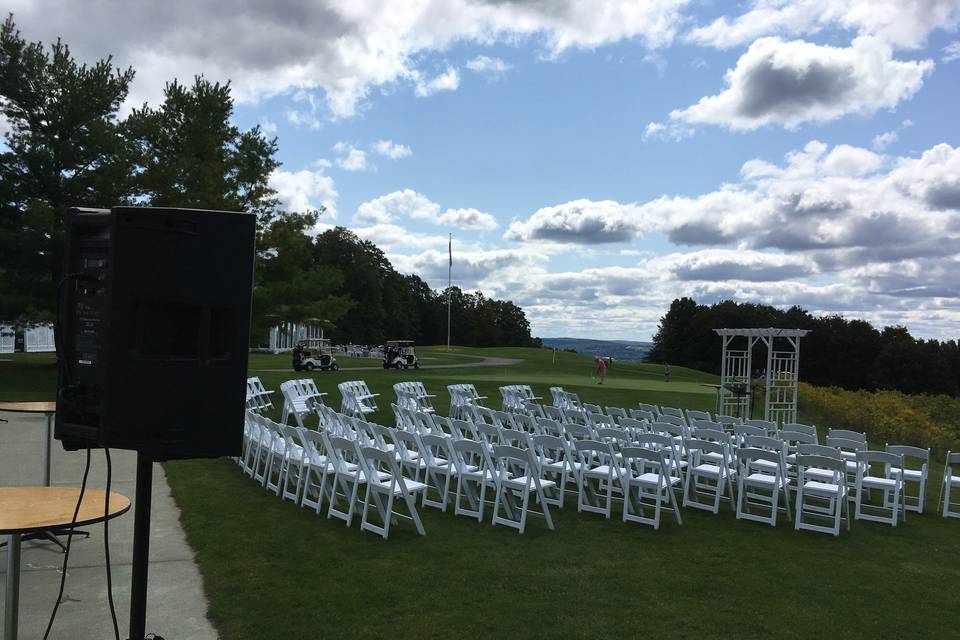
[(601, 369)]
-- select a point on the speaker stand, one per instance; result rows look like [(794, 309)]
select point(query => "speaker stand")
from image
[(141, 548)]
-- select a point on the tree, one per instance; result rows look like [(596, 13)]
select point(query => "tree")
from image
[(289, 286), (837, 352), (189, 154), (63, 151)]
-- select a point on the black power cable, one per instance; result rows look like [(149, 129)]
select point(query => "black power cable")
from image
[(106, 545), (66, 553)]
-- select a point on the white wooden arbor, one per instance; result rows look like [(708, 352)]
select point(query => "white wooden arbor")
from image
[(783, 362)]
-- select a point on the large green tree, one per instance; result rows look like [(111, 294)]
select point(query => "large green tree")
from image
[(189, 154), (289, 285), (62, 150)]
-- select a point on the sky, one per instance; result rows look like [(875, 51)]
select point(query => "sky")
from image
[(595, 160)]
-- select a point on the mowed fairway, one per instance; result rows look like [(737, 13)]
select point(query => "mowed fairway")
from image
[(273, 570)]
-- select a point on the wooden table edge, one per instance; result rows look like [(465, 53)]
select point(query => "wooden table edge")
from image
[(79, 523), (11, 407)]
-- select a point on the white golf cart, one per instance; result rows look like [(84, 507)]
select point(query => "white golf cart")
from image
[(314, 353), (399, 354)]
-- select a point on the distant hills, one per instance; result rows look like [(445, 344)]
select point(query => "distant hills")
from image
[(622, 350)]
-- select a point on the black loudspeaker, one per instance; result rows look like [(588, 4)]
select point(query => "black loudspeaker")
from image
[(154, 315)]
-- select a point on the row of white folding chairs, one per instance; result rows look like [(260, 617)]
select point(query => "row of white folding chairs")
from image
[(301, 398), (258, 397), (356, 399), (821, 490), (307, 466), (855, 455), (759, 470), (461, 396), (890, 481), (413, 395), (516, 396)]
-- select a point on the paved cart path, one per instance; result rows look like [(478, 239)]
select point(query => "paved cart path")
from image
[(486, 361)]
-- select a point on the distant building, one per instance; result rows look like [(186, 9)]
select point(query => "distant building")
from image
[(37, 338)]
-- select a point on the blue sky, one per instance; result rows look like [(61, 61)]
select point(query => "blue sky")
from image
[(594, 160)]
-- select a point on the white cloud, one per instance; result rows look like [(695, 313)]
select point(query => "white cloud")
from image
[(839, 207), (658, 61), (309, 114), (844, 160), (883, 140), (951, 52), (673, 131), (396, 205), (789, 83), (392, 236), (581, 221), (410, 204), (305, 189), (488, 65), (351, 158), (449, 80), (268, 126), (471, 267), (901, 23), (390, 149), (467, 219), (732, 264), (340, 49)]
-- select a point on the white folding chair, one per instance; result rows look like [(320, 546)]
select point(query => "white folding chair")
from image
[(348, 475), (440, 469), (672, 412), (709, 474), (293, 461), (599, 475), (558, 463), (653, 409), (769, 426), (617, 413), (517, 478), (761, 480), (406, 448), (822, 496), (950, 481), (892, 505), (693, 414), (385, 479), (650, 473), (475, 473), (317, 470), (810, 429), (911, 474)]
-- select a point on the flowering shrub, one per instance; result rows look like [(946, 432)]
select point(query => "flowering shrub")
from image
[(886, 416)]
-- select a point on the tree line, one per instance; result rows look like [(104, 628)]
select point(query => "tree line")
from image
[(851, 354), (68, 146)]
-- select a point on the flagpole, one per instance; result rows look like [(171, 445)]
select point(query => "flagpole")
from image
[(449, 285)]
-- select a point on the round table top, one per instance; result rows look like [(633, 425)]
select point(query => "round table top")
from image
[(29, 407), (26, 509)]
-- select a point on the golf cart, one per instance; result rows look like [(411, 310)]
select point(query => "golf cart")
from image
[(314, 353), (399, 353)]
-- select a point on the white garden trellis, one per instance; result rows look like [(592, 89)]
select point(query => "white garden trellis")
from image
[(782, 375)]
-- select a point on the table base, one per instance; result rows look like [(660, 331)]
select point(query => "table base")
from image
[(12, 600)]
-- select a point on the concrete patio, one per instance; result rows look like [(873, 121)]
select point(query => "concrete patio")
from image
[(176, 607)]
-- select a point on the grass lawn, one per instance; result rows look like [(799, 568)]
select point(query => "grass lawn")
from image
[(272, 570)]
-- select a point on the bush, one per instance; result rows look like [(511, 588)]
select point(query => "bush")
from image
[(886, 416)]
